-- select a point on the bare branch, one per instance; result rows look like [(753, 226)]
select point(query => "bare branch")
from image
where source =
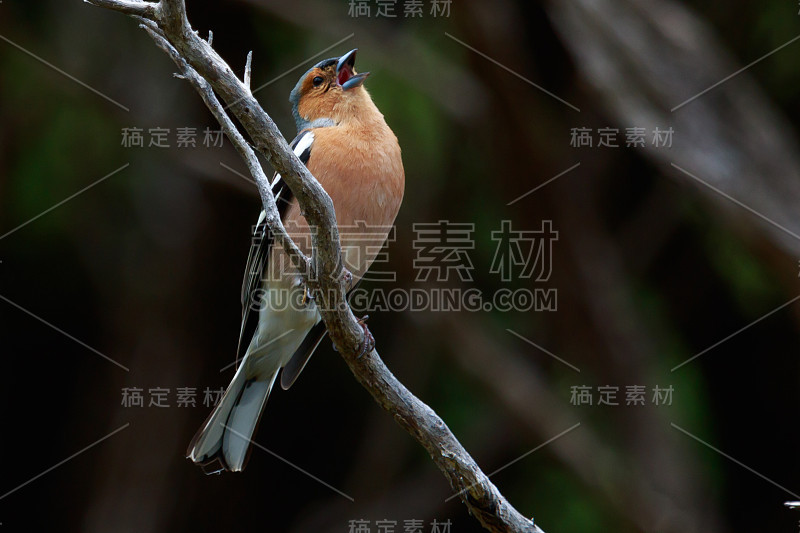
[(172, 15), (248, 70), (273, 218), (129, 7), (206, 70)]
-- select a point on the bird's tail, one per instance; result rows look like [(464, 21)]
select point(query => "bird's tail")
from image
[(224, 440)]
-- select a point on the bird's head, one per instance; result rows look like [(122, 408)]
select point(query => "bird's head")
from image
[(330, 92)]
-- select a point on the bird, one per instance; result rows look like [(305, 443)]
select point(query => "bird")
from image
[(348, 147)]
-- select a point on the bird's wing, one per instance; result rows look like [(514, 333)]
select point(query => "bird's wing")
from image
[(262, 241), (297, 363)]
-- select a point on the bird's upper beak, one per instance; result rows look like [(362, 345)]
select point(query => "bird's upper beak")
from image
[(346, 75)]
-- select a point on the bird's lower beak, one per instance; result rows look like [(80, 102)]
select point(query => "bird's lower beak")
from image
[(345, 71)]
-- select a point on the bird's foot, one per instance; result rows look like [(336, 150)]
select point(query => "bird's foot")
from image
[(368, 344), (347, 277)]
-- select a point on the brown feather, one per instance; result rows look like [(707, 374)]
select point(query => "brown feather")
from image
[(358, 163)]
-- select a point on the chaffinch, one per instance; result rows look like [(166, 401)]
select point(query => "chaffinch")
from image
[(346, 144)]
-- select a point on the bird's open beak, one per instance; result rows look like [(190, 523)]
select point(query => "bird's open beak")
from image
[(346, 75)]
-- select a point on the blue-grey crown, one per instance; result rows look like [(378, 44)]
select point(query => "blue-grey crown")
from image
[(294, 96)]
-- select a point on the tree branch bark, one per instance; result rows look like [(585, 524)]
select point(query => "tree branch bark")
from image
[(166, 22)]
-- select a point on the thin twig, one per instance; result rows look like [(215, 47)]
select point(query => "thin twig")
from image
[(245, 151), (248, 70), (129, 7)]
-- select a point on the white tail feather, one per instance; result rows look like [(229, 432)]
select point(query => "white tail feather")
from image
[(242, 422), (226, 435), (228, 430)]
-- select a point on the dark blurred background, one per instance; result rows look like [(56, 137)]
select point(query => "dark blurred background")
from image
[(663, 252)]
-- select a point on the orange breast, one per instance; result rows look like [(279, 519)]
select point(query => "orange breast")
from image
[(360, 167)]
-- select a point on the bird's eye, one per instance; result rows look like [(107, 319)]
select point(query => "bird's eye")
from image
[(317, 81)]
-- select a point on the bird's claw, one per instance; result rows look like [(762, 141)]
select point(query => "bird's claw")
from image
[(368, 344), (347, 277)]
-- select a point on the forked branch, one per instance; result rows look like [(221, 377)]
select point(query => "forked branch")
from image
[(166, 23)]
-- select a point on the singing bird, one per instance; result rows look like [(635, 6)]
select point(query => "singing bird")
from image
[(346, 144)]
